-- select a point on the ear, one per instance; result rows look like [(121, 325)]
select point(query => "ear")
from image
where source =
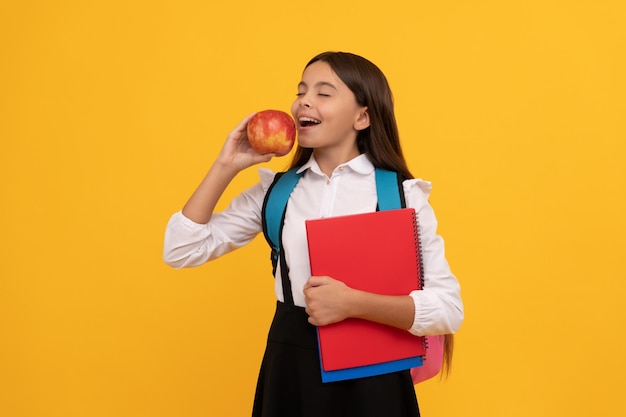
[(363, 120)]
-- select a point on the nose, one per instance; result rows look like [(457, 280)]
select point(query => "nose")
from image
[(304, 101)]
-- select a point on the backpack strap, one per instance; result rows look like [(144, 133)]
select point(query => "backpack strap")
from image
[(275, 204), (389, 190), (273, 219)]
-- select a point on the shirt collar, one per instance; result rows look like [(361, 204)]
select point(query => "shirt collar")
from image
[(360, 164)]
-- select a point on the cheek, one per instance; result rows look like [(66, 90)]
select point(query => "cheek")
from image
[(294, 109)]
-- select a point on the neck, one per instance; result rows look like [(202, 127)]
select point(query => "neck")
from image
[(329, 159)]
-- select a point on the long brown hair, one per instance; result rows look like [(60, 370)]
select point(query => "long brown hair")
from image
[(381, 140)]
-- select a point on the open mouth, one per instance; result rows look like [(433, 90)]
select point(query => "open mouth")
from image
[(308, 121)]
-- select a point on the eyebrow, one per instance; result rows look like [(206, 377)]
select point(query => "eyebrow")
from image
[(318, 84)]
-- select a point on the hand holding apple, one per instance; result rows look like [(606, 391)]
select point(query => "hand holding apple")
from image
[(271, 131)]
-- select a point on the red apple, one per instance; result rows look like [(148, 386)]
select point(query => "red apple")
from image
[(272, 131)]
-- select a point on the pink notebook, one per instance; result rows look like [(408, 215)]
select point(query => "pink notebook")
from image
[(377, 252)]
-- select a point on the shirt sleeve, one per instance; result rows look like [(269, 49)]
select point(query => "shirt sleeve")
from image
[(438, 306), (189, 244)]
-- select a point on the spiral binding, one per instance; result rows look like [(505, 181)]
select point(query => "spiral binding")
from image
[(420, 269), (418, 255)]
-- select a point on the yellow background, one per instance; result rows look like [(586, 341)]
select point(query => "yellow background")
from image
[(112, 111)]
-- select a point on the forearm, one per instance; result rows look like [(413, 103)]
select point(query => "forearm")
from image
[(329, 301), (396, 311), (201, 204)]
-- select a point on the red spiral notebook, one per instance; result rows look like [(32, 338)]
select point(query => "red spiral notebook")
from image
[(377, 252)]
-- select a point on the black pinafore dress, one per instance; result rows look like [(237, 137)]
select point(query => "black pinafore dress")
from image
[(290, 382)]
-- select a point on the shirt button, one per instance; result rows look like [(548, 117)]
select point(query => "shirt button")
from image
[(328, 181), (340, 168)]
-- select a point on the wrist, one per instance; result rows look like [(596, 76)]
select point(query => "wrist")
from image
[(223, 169), (356, 302)]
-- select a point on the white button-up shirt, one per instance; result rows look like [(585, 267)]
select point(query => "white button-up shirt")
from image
[(351, 189)]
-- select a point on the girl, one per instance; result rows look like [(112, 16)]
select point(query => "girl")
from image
[(346, 128)]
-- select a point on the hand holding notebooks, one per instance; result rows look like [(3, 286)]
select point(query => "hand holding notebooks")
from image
[(377, 252)]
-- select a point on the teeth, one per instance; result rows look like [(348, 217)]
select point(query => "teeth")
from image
[(308, 120)]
